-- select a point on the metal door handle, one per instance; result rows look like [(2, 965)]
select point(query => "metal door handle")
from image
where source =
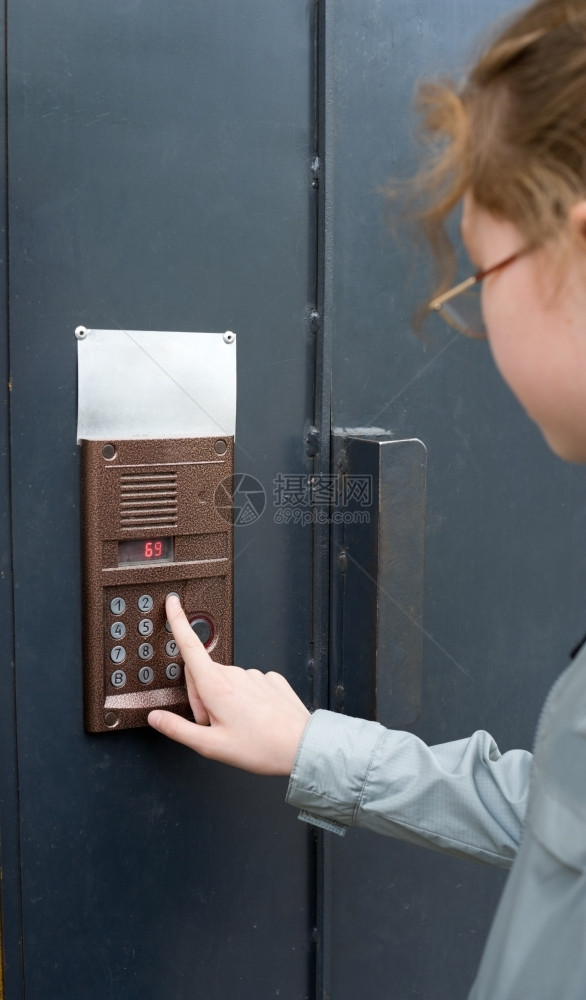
[(378, 561)]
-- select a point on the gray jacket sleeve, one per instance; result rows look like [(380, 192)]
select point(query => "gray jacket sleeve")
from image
[(463, 798)]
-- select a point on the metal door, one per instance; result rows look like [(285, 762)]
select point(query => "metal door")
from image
[(169, 167), (504, 566), (159, 177)]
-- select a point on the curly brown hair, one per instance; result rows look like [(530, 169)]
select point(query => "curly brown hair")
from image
[(512, 134)]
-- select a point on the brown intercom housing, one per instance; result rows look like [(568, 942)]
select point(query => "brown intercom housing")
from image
[(156, 518)]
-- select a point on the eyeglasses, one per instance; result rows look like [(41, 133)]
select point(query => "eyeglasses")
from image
[(465, 316)]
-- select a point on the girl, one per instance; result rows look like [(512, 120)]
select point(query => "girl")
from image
[(510, 144)]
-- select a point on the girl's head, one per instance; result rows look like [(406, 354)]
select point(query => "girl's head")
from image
[(510, 142), (513, 135)]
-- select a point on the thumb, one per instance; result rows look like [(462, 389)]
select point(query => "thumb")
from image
[(199, 738)]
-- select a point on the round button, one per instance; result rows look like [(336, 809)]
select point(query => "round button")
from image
[(145, 675), (145, 602), (118, 654), (202, 628), (145, 651), (172, 593), (145, 626), (118, 630), (117, 605), (173, 671), (171, 648), (118, 679)]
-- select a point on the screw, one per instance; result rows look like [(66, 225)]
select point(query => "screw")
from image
[(81, 332), (229, 337)]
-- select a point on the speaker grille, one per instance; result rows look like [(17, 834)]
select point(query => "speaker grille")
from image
[(148, 500)]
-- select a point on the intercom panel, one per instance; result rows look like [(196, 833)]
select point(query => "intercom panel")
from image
[(156, 518)]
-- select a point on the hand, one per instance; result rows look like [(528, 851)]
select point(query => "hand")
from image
[(251, 720)]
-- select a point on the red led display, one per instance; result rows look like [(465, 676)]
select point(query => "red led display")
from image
[(135, 551)]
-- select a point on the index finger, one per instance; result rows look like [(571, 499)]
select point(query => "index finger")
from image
[(189, 643)]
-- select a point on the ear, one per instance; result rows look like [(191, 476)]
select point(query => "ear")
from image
[(578, 223)]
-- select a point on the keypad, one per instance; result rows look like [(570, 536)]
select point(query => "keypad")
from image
[(137, 635)]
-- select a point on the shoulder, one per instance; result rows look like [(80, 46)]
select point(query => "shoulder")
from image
[(560, 752), (557, 808)]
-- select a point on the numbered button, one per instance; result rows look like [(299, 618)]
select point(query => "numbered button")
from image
[(118, 630), (145, 651), (145, 675), (118, 654), (117, 605), (118, 679), (173, 671), (145, 602), (145, 626), (171, 648)]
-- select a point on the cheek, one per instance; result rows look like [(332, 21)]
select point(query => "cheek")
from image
[(542, 358), (507, 337), (526, 354)]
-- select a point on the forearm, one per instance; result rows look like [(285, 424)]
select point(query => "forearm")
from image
[(464, 798)]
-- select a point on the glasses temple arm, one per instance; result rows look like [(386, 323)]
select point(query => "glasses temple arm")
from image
[(438, 302)]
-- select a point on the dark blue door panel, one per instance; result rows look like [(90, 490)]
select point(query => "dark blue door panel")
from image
[(160, 177), (504, 567), (159, 158)]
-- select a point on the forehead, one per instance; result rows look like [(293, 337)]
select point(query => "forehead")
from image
[(486, 236), (469, 227), (474, 219)]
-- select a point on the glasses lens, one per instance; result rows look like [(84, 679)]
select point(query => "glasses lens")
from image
[(465, 315)]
